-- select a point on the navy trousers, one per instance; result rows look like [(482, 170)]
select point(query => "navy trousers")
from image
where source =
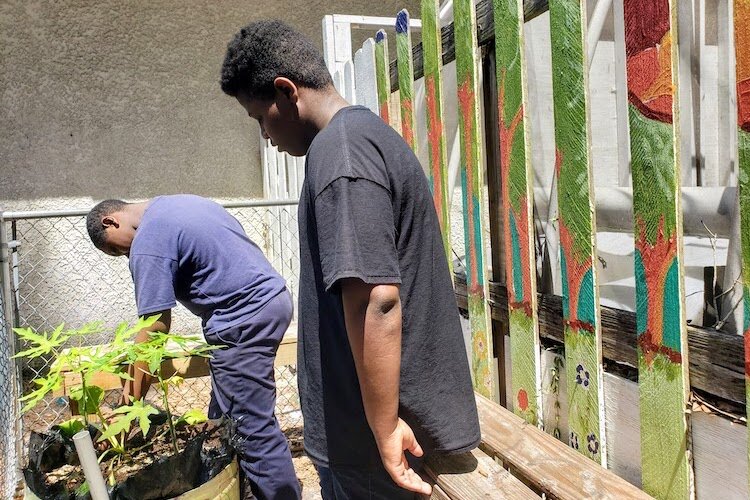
[(244, 389), (350, 483)]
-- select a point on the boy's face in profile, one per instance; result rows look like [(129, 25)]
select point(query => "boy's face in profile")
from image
[(279, 121)]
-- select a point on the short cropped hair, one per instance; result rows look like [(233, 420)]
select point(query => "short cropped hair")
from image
[(264, 50), (94, 220)]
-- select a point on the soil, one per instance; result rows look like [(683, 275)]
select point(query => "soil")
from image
[(195, 393), (141, 453)]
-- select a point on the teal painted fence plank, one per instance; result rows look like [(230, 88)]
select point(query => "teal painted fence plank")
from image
[(517, 177), (651, 58), (472, 182), (583, 351)]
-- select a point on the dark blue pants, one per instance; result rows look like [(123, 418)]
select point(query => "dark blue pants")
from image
[(244, 389), (349, 483)]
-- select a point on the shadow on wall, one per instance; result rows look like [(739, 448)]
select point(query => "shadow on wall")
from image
[(118, 99)]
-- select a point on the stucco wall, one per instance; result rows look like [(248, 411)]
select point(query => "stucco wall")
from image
[(121, 99)]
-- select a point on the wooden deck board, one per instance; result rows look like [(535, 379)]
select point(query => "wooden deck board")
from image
[(474, 475), (548, 464)]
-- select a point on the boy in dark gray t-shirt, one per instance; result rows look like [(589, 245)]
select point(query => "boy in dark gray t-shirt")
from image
[(382, 368), (188, 249)]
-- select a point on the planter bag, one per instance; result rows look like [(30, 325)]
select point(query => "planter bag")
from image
[(168, 477)]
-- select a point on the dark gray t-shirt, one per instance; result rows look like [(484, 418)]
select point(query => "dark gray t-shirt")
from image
[(189, 249), (366, 211)]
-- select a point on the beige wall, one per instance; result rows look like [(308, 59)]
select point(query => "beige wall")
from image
[(117, 98)]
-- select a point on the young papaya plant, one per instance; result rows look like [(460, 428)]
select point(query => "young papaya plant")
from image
[(73, 357)]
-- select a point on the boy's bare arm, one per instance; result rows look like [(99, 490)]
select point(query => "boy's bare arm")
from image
[(138, 387), (373, 325)]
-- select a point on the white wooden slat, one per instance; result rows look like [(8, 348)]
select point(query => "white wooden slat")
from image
[(348, 75), (364, 76)]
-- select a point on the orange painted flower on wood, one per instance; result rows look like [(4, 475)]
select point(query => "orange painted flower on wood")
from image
[(648, 50)]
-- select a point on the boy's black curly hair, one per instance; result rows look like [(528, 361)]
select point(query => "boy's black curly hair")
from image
[(265, 50), (96, 230)]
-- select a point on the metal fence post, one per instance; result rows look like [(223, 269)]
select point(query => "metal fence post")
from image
[(10, 435)]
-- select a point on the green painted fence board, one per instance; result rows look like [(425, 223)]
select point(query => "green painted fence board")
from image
[(472, 182), (383, 75), (651, 58), (583, 352), (405, 78), (742, 51), (433, 82), (517, 198)]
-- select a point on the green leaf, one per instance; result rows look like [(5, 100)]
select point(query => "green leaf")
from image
[(45, 385), (41, 344), (138, 410), (71, 427), (193, 417), (93, 398)]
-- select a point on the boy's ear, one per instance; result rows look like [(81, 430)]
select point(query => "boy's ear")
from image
[(286, 87), (110, 221)]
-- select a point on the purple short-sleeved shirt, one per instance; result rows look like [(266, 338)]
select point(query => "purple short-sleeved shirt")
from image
[(190, 250)]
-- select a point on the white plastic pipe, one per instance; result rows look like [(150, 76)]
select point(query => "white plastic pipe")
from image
[(87, 456)]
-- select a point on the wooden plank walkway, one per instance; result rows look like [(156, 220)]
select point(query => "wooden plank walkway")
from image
[(651, 51), (473, 475), (583, 350), (543, 462)]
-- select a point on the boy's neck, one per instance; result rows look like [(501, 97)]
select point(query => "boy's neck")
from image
[(324, 105)]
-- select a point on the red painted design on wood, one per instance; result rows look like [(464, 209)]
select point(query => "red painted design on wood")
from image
[(434, 135), (466, 104), (743, 104), (406, 131), (656, 259), (523, 399), (648, 45), (742, 39), (384, 112), (576, 271), (506, 134)]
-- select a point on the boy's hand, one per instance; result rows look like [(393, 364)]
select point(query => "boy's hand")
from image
[(392, 448)]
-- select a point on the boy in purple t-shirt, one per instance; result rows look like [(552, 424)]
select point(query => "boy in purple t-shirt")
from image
[(188, 249)]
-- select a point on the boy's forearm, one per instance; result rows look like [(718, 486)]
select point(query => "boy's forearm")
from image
[(139, 386), (373, 325)]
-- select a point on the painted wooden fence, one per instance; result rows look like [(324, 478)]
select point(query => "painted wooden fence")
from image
[(742, 50), (651, 50), (583, 356), (650, 69), (518, 200)]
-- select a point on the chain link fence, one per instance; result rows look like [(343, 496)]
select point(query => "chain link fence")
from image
[(54, 275)]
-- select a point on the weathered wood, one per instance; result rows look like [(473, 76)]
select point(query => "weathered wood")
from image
[(364, 76), (742, 51), (472, 183), (652, 61), (516, 180), (577, 226), (406, 78), (474, 475), (543, 461), (433, 80), (485, 35), (716, 364)]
